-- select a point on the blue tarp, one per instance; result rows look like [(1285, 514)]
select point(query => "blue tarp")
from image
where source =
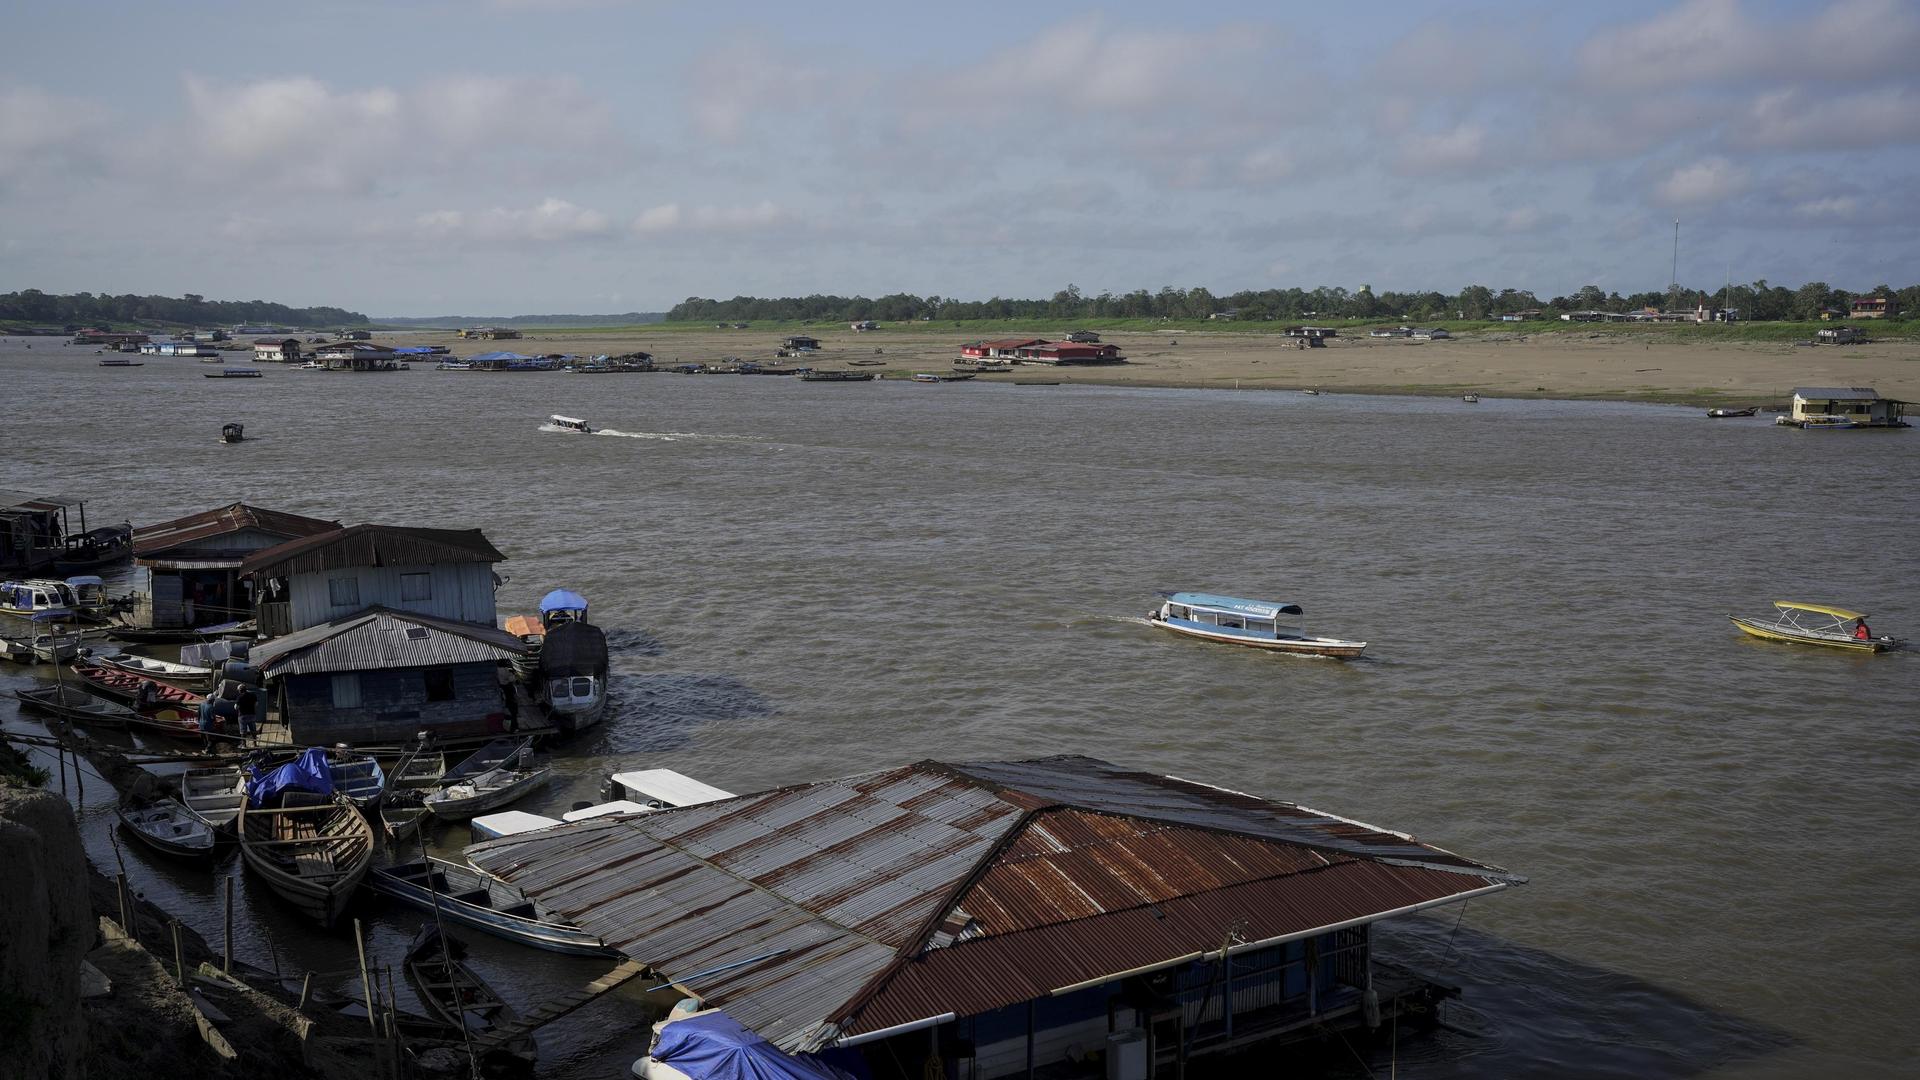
[(713, 1046), (413, 350), (499, 356), (562, 600), (308, 772)]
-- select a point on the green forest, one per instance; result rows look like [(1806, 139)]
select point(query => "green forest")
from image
[(1756, 301), (104, 310)]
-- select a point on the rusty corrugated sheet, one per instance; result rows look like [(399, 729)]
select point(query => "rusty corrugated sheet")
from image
[(238, 517), (373, 545), (846, 906)]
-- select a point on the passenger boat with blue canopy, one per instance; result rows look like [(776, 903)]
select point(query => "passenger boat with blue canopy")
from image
[(1817, 624), (1247, 622)]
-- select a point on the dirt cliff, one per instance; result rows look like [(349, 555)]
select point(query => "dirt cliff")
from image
[(49, 928)]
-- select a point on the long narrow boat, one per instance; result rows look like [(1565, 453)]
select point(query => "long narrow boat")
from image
[(493, 776), (453, 992), (408, 783), (1815, 624), (357, 776), (169, 827), (479, 900), (311, 849), (215, 794), (43, 648), (1246, 622), (169, 710), (185, 676), (74, 705)]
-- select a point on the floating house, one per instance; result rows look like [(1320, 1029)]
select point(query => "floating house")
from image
[(33, 530), (1844, 407), (801, 343), (355, 335), (356, 356), (1004, 349), (1084, 337), (276, 350), (380, 676), (489, 333), (861, 326), (1002, 916), (192, 564), (328, 576), (1838, 335), (1062, 352)]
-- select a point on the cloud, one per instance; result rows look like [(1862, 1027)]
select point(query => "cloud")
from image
[(1708, 180), (49, 133), (301, 132), (1794, 120), (673, 218), (1719, 41), (1458, 149), (551, 220)]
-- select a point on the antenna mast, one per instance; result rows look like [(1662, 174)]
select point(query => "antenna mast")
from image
[(1673, 279)]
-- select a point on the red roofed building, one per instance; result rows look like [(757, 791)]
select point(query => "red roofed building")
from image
[(1063, 352), (1003, 349), (1875, 307)]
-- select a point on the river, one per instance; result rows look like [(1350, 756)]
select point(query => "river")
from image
[(812, 580)]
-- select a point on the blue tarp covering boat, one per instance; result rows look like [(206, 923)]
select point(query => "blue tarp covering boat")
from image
[(563, 600), (714, 1046), (308, 772)]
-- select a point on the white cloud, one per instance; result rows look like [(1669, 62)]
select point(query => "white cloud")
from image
[(1705, 181), (48, 132), (1794, 120), (672, 218), (1460, 148), (1719, 41), (548, 221)]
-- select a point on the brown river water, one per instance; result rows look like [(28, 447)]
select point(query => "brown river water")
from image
[(811, 580)]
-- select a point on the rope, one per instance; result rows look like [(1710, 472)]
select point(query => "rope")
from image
[(1456, 929)]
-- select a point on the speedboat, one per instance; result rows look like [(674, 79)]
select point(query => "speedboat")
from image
[(1816, 624), (232, 433), (571, 423), (1471, 399), (1724, 414), (1246, 622)]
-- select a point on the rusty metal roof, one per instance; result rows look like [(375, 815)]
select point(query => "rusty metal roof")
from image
[(377, 639), (150, 540), (374, 545), (823, 911)]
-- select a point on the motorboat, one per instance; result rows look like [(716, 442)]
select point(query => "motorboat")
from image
[(1471, 399), (233, 433), (836, 376), (566, 662), (169, 827), (1256, 623), (473, 898), (1816, 624), (1725, 414), (659, 789), (435, 965), (357, 776), (936, 377), (418, 772), (74, 705), (571, 423), (185, 676), (156, 706), (43, 648), (215, 794), (233, 373), (96, 547), (499, 773), (121, 361), (39, 598)]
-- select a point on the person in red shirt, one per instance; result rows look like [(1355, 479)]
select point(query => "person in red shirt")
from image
[(1860, 630)]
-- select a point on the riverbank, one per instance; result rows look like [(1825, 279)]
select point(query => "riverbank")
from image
[(1657, 365)]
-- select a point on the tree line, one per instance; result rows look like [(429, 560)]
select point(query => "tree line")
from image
[(1757, 300), (87, 309)]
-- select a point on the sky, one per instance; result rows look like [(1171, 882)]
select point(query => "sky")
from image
[(545, 156)]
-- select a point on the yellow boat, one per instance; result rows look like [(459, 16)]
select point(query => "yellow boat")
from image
[(1814, 624)]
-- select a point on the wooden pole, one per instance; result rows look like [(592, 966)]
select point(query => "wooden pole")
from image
[(226, 958), (306, 989), (179, 958), (120, 890), (366, 985)]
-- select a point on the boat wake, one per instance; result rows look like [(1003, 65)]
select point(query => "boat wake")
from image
[(657, 436)]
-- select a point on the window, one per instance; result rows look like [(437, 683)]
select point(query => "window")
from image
[(439, 682), (416, 586), (343, 591), (346, 690)]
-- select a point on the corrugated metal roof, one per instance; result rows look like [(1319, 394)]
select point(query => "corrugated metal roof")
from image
[(22, 500), (149, 540), (374, 545), (851, 905), (1837, 393), (379, 638)]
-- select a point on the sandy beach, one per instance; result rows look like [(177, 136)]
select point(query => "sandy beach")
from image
[(1515, 364)]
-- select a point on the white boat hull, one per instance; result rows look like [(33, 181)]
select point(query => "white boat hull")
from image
[(1302, 646)]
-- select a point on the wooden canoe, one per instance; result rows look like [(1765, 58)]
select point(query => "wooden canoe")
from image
[(311, 850), (169, 827), (436, 966)]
